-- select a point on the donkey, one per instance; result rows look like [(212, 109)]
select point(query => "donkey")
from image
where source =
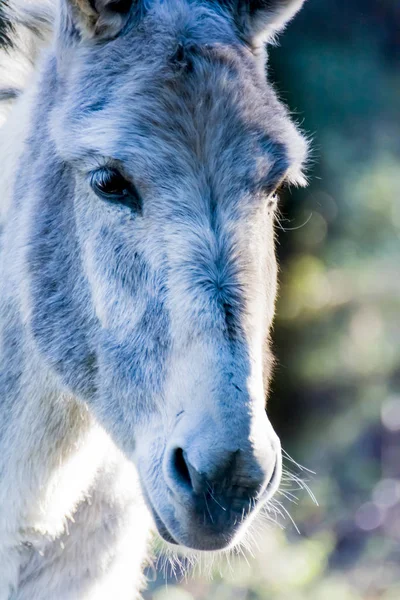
[(139, 170)]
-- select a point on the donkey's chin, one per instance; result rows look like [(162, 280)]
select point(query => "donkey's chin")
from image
[(201, 539), (203, 532)]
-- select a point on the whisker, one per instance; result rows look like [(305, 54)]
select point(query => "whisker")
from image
[(208, 508), (298, 465), (289, 496), (216, 501), (289, 515)]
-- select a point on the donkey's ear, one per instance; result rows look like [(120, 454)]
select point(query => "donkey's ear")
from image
[(96, 18), (261, 20)]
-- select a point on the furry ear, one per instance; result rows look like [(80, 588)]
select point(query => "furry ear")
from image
[(102, 19), (261, 20)]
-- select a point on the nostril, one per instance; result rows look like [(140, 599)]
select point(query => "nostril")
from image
[(181, 468), (185, 474)]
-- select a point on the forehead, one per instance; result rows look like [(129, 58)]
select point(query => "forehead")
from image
[(180, 86)]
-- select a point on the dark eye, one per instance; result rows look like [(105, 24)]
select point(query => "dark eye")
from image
[(109, 184), (281, 187), (273, 191)]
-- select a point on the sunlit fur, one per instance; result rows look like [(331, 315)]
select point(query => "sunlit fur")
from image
[(124, 335)]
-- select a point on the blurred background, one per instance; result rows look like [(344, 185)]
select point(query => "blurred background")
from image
[(335, 398)]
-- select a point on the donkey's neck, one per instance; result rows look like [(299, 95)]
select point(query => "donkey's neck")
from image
[(51, 448), (63, 482), (43, 429)]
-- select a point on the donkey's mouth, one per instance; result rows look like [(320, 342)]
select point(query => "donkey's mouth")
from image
[(200, 534)]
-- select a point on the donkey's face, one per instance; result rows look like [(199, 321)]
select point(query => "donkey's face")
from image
[(176, 145)]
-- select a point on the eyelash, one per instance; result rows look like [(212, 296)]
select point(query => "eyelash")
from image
[(110, 185)]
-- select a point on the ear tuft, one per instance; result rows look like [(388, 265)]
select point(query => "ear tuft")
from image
[(102, 19)]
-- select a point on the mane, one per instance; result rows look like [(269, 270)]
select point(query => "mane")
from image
[(25, 27)]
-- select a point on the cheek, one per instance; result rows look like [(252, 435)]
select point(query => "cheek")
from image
[(262, 290), (109, 263), (268, 267), (262, 283), (102, 285), (118, 306), (271, 276), (271, 285)]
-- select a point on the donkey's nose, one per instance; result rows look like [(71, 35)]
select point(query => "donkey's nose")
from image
[(201, 481), (230, 474), (217, 474)]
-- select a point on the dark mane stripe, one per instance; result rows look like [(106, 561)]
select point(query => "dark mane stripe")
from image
[(24, 29), (6, 27)]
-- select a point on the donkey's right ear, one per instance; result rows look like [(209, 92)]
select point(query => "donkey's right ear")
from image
[(100, 19), (262, 20)]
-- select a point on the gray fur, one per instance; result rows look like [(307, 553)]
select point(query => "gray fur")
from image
[(126, 336)]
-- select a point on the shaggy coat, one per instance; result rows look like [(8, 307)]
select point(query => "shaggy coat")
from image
[(140, 155)]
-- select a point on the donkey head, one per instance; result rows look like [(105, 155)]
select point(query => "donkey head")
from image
[(170, 147)]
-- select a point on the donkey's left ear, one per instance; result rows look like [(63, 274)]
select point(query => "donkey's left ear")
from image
[(98, 18), (261, 20)]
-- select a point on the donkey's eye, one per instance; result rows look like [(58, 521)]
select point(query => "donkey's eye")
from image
[(109, 184), (281, 188), (273, 192)]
